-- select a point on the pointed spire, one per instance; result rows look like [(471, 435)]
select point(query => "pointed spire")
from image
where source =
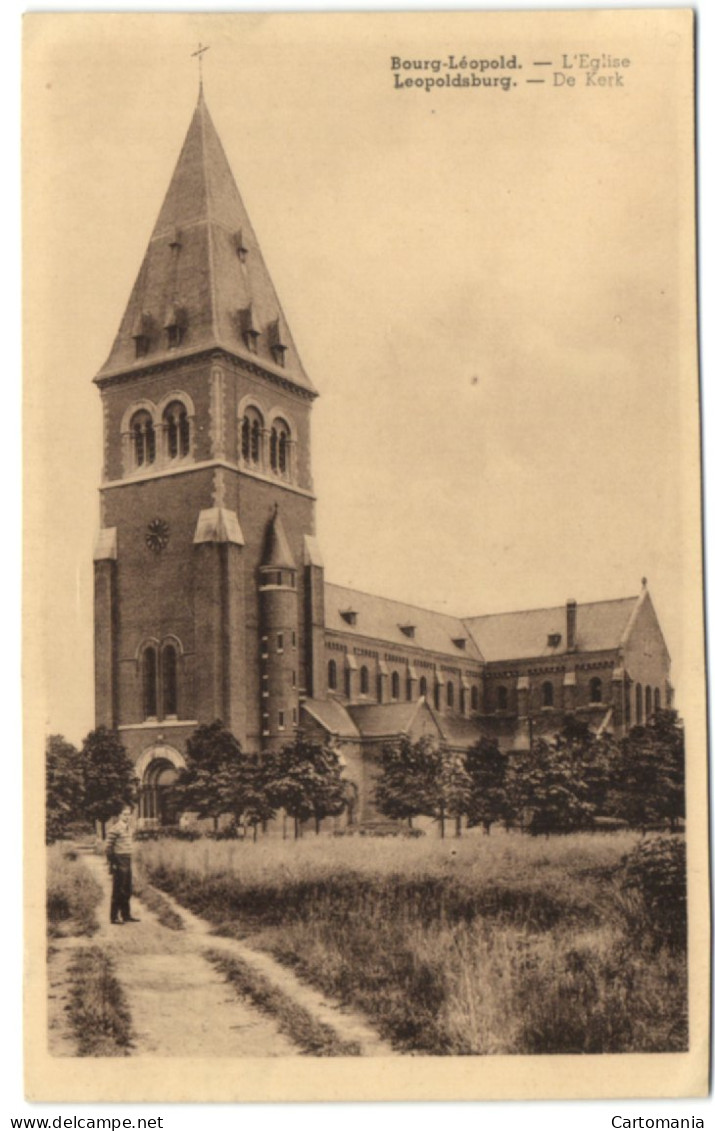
[(198, 261), (277, 552)]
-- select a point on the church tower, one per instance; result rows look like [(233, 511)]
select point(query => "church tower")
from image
[(206, 493)]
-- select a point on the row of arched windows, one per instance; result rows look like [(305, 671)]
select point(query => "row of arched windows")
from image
[(158, 435), (546, 694), (646, 704), (468, 697), (266, 448), (160, 680)]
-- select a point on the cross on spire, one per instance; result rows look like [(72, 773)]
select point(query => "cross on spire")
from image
[(200, 56)]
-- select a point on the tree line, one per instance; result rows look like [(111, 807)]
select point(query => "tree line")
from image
[(304, 779), (563, 783), (567, 782)]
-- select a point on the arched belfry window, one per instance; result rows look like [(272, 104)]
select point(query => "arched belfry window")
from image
[(596, 690), (280, 440), (395, 685), (251, 436), (648, 702), (364, 680), (475, 698), (450, 694), (423, 687), (502, 699), (332, 675), (656, 700), (143, 438), (639, 704), (169, 681), (149, 681), (177, 430), (547, 694)]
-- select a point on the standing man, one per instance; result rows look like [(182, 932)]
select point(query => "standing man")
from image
[(119, 858)]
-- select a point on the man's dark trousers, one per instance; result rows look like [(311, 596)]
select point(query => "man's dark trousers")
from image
[(121, 887)]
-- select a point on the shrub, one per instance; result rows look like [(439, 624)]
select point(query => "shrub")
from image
[(654, 873)]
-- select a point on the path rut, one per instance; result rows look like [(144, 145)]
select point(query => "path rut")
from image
[(180, 1004)]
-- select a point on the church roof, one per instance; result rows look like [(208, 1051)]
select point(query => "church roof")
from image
[(332, 716), (389, 720), (396, 622), (203, 260), (600, 626)]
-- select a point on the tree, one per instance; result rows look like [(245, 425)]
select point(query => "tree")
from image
[(453, 791), (242, 788), (549, 791), (423, 779), (213, 781), (486, 766), (109, 779), (404, 788), (594, 759), (305, 778), (651, 772), (64, 786)]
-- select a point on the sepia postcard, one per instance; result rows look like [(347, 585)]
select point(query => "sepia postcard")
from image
[(365, 702)]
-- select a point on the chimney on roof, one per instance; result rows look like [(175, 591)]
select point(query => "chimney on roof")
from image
[(570, 625)]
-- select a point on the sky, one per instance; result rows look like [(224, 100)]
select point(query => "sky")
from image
[(492, 291)]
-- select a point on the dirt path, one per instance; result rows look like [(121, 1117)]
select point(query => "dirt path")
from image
[(180, 1004)]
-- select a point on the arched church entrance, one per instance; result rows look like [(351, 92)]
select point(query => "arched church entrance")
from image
[(157, 770)]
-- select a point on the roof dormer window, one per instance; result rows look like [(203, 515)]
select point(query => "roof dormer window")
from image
[(407, 630), (276, 338), (175, 326), (460, 642), (553, 639), (142, 335), (240, 246), (249, 329), (349, 616)]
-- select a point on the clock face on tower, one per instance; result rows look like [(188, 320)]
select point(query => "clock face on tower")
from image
[(157, 535)]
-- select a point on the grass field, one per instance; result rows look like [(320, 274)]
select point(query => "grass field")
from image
[(501, 944), (72, 894)]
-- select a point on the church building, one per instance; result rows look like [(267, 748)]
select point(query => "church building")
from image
[(211, 600)]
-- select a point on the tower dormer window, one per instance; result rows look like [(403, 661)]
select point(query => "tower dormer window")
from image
[(143, 439), (277, 342), (240, 245), (349, 616), (175, 327), (249, 329), (142, 335), (407, 630)]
